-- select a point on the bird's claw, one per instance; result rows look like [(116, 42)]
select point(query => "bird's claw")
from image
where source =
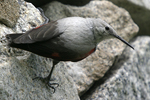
[(46, 81), (52, 87)]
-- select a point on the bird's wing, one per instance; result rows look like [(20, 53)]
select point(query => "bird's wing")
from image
[(42, 33)]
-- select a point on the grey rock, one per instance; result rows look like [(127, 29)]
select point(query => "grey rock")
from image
[(16, 75), (18, 67), (94, 67), (140, 15), (9, 12), (131, 81)]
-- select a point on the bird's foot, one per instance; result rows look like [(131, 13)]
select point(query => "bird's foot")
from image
[(47, 82)]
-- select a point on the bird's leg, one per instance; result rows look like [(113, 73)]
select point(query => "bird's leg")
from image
[(48, 78), (43, 15), (50, 74)]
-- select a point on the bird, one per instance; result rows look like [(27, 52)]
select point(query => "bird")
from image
[(66, 39)]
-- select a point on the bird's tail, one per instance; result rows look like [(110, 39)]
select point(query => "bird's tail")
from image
[(11, 37)]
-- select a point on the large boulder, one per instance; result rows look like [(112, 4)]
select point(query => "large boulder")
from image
[(139, 14)]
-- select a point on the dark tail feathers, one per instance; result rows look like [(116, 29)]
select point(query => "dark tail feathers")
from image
[(11, 37)]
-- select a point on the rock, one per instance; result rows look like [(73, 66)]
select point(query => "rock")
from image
[(18, 67), (143, 3), (16, 80), (9, 12), (131, 81), (94, 67), (39, 3), (139, 14)]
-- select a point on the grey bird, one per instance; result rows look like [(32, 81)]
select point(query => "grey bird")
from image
[(67, 39)]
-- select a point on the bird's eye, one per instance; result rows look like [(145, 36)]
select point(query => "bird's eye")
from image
[(107, 28)]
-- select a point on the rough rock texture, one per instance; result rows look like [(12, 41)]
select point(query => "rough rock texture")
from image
[(94, 67), (143, 3), (140, 15), (131, 82), (17, 67), (9, 12)]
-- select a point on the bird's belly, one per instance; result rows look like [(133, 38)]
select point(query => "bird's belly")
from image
[(59, 49), (70, 56)]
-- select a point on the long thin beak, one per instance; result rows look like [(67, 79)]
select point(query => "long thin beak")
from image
[(118, 37)]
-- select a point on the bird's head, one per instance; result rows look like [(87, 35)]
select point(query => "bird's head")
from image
[(104, 31)]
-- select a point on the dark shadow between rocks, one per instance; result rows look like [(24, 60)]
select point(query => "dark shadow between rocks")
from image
[(39, 3)]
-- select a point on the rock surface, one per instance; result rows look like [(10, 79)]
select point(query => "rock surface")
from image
[(18, 68), (131, 82), (94, 67), (140, 15), (9, 12)]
